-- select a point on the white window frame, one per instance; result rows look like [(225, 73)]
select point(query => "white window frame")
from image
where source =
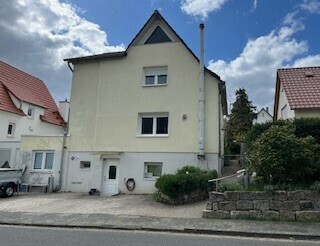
[(148, 175), (83, 163), (156, 72), (43, 162), (154, 124), (32, 112), (13, 129)]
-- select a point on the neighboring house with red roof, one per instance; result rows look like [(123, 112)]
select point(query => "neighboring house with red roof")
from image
[(262, 116), (297, 93), (136, 114), (26, 108)]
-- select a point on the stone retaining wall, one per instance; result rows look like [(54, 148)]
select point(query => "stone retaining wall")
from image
[(195, 196), (277, 205)]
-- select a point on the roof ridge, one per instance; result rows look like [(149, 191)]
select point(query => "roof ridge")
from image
[(298, 68)]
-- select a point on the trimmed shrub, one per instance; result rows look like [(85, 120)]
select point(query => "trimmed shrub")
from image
[(187, 180), (307, 127), (279, 156), (303, 127)]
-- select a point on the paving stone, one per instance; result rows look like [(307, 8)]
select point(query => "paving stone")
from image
[(244, 205), (308, 216), (209, 206), (231, 205), (290, 205), (255, 214), (312, 195), (271, 215), (296, 195), (287, 215), (218, 214), (236, 214), (280, 195), (232, 195), (246, 195), (216, 196), (261, 204), (275, 205), (306, 205)]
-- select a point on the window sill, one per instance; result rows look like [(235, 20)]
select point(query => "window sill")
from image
[(154, 85), (85, 169), (151, 179), (153, 136), (10, 136), (41, 171)]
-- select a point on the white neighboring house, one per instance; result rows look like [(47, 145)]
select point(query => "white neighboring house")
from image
[(263, 116), (297, 93), (27, 108), (134, 115)]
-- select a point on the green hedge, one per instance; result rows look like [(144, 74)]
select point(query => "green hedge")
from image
[(279, 156), (185, 181), (303, 127)]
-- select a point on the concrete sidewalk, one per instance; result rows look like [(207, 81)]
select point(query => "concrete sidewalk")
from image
[(19, 211)]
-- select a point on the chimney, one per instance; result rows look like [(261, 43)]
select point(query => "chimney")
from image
[(201, 95), (267, 109), (64, 107)]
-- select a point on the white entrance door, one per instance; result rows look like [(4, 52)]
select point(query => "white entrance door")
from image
[(110, 179)]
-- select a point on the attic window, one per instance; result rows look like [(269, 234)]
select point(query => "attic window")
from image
[(308, 73), (158, 36)]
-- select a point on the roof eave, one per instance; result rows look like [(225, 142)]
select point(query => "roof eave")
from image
[(109, 55)]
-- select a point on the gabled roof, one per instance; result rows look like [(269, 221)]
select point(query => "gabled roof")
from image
[(301, 86), (26, 88), (155, 16), (264, 111)]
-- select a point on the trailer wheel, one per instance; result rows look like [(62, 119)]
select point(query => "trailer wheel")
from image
[(8, 190)]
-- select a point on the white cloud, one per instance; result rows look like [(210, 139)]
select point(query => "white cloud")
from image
[(36, 35), (254, 5), (309, 61), (201, 8), (255, 68), (313, 6)]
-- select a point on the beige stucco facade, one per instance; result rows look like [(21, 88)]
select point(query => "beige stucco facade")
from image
[(44, 144), (108, 95)]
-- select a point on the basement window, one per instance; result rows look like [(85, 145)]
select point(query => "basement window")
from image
[(152, 169), (86, 165)]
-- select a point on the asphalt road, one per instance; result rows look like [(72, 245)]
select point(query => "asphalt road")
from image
[(21, 236)]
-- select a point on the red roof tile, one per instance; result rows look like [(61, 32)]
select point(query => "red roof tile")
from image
[(302, 86), (29, 89)]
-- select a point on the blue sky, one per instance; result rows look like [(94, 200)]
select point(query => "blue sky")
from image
[(246, 41)]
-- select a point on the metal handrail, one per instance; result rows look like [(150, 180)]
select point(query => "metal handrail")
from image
[(239, 172)]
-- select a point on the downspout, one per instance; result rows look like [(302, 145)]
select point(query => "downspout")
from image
[(70, 66), (201, 96), (65, 134)]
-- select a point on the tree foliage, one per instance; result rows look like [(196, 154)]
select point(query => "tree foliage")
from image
[(279, 156), (240, 119)]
